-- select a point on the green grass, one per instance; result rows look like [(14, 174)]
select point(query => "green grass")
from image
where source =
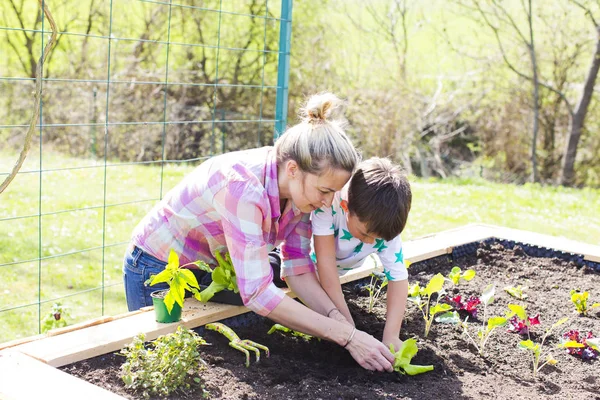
[(77, 279)]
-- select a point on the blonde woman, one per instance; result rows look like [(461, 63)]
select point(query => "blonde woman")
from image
[(252, 201)]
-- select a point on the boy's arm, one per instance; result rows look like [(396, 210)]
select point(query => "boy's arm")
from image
[(397, 294), (328, 275)]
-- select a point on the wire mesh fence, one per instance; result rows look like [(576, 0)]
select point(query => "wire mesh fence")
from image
[(135, 94)]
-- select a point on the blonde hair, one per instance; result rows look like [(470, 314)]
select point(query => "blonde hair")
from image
[(319, 142)]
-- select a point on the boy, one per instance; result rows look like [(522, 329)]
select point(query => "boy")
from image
[(366, 217)]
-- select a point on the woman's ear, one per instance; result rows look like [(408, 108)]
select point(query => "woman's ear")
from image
[(291, 169)]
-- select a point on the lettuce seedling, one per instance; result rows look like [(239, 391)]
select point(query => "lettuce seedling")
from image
[(375, 287), (456, 275), (517, 292), (536, 349), (518, 321), (584, 347), (223, 277), (487, 325), (469, 305), (402, 358), (422, 297), (580, 301)]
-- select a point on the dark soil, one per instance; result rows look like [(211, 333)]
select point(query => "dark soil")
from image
[(298, 369)]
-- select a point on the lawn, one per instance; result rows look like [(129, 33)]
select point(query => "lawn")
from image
[(88, 211)]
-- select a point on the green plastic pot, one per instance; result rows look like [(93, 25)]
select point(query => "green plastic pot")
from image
[(160, 309)]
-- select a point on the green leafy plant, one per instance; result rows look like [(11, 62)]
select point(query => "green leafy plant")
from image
[(403, 356), (223, 277), (536, 349), (518, 320), (517, 292), (580, 299), (57, 317), (178, 278), (487, 325), (422, 297), (375, 288), (456, 275), (170, 363)]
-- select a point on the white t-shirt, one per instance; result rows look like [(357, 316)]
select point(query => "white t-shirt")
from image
[(349, 251)]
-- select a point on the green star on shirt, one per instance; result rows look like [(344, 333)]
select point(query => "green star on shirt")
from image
[(388, 274), (333, 212), (336, 232), (399, 256), (318, 210), (347, 235), (379, 245), (358, 248)]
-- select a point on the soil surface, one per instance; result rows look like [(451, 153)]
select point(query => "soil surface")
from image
[(298, 369)]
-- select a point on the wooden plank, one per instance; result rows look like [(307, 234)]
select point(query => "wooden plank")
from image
[(25, 378), (20, 341)]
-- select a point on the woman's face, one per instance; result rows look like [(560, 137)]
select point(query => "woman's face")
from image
[(309, 191)]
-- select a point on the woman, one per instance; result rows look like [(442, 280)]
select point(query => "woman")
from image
[(252, 201)]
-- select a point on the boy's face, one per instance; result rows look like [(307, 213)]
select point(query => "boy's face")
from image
[(359, 230)]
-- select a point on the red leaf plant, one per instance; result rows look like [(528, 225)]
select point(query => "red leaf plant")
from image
[(520, 326), (469, 305), (586, 352)]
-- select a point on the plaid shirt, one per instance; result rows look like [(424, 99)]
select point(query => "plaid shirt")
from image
[(232, 200)]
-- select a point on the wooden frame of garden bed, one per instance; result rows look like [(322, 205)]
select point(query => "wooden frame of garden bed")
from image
[(28, 366)]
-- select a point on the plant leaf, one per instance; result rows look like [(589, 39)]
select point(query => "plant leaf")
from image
[(164, 276), (173, 262), (210, 291), (203, 266), (178, 289), (519, 310), (448, 318), (571, 344), (495, 322), (438, 308), (527, 344), (189, 278), (435, 284), (417, 369), (594, 343), (487, 297), (469, 274), (560, 322)]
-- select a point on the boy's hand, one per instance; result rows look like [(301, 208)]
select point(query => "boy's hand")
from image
[(395, 341)]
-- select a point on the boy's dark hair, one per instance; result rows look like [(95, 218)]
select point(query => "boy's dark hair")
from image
[(379, 195)]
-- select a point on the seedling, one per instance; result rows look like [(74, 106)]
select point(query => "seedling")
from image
[(223, 277), (519, 322), (422, 297), (517, 292), (469, 305), (536, 349), (487, 325), (284, 329), (169, 363), (456, 275), (237, 343), (585, 347), (375, 288), (580, 301), (403, 356), (57, 317), (178, 278)]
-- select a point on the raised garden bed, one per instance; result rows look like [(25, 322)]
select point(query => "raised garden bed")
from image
[(299, 369)]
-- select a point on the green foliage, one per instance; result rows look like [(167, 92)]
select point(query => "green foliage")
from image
[(178, 278), (487, 325), (57, 317), (422, 297), (536, 349), (375, 288), (518, 292), (456, 275), (223, 277), (170, 363), (580, 302), (403, 356)]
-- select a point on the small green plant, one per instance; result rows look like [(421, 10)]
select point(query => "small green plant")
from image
[(518, 320), (178, 278), (170, 363), (403, 356), (422, 297), (517, 292), (223, 277), (456, 275), (536, 349), (580, 299), (485, 331), (375, 288), (57, 317), (285, 329)]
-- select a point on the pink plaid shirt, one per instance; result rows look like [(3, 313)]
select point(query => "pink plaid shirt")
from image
[(232, 200)]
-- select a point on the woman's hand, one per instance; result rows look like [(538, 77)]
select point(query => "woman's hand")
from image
[(370, 353)]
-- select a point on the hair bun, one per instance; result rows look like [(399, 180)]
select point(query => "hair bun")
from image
[(322, 107)]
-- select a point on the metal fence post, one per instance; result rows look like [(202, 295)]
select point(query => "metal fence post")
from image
[(283, 68)]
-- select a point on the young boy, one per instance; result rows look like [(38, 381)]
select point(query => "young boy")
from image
[(366, 217)]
